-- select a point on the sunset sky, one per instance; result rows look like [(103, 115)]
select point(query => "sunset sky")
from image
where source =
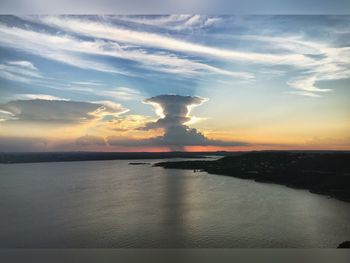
[(174, 82)]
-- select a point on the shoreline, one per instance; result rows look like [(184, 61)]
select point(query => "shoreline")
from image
[(330, 173)]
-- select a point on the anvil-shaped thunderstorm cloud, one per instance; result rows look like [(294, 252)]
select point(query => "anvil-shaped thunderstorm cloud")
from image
[(174, 112)]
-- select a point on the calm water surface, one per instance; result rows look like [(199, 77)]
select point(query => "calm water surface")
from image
[(113, 204)]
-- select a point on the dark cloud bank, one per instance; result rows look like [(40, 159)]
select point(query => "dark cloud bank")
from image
[(16, 144), (60, 111)]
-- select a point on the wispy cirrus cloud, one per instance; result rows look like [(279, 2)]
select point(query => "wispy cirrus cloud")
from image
[(23, 64), (26, 72), (330, 62), (63, 49), (119, 34), (305, 93), (69, 50), (6, 115), (319, 61), (173, 22), (121, 93), (87, 83), (22, 71), (83, 41), (35, 97)]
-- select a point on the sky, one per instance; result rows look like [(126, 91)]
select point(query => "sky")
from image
[(174, 82)]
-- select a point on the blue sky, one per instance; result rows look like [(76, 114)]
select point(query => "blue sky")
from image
[(261, 76)]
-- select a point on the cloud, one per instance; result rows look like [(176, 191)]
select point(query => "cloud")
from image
[(109, 36), (333, 65), (173, 22), (22, 71), (22, 144), (174, 112), (330, 63), (322, 141), (39, 144), (59, 111), (307, 84), (108, 31), (88, 83), (121, 93), (175, 137), (23, 64), (70, 50), (127, 124), (64, 49), (305, 93), (293, 43), (182, 135), (6, 115), (36, 96), (89, 140), (26, 72), (164, 21)]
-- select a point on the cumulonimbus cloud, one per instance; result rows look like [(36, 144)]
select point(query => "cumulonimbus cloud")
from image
[(174, 112)]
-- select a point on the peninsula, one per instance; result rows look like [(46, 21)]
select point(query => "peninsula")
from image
[(324, 173)]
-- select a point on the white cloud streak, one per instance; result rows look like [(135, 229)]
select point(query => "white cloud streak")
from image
[(67, 49), (36, 97), (316, 61), (173, 22), (58, 48), (121, 93), (122, 35), (333, 63), (22, 71)]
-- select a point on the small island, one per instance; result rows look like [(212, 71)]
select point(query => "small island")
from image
[(320, 172)]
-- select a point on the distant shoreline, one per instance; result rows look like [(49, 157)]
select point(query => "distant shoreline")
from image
[(320, 173), (38, 157)]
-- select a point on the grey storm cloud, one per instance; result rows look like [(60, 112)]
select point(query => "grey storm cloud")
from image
[(183, 135), (90, 140), (175, 137), (60, 111), (174, 112), (21, 144)]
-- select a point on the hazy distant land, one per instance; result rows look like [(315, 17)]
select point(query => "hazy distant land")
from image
[(35, 157), (323, 173), (38, 157)]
